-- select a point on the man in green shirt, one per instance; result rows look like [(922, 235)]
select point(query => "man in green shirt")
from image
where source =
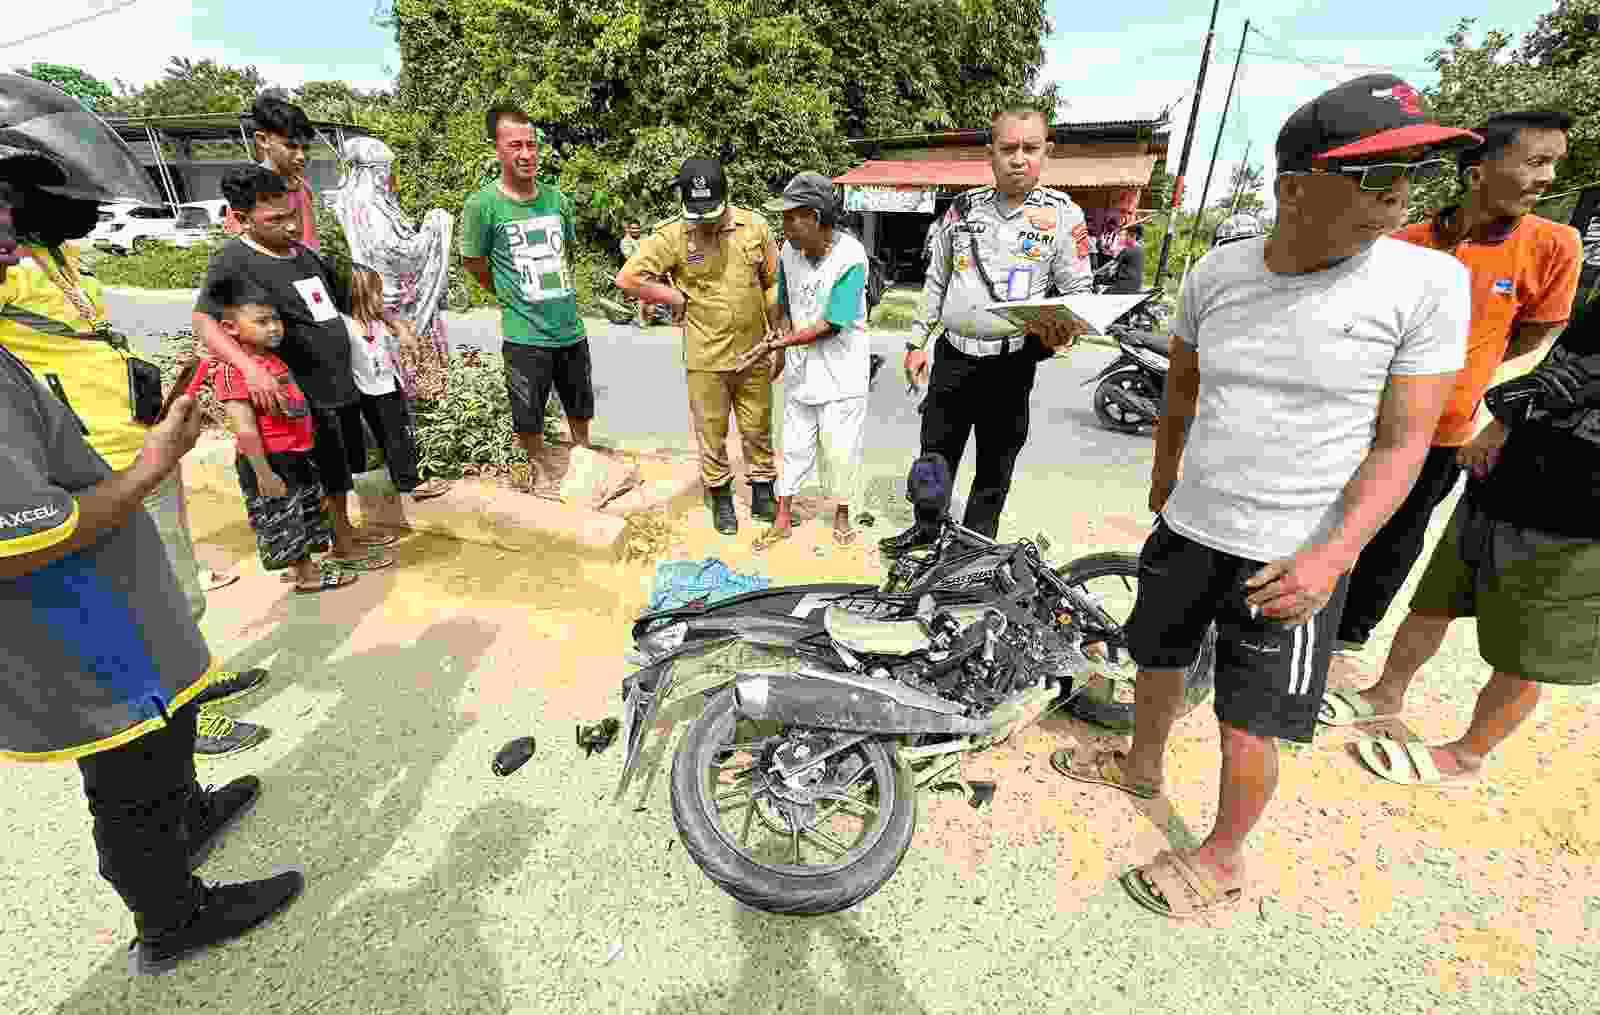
[(515, 233)]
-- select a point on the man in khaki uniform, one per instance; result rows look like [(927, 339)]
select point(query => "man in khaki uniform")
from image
[(714, 266)]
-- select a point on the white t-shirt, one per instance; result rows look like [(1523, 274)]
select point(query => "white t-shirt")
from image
[(369, 358), (834, 367), (1292, 371)]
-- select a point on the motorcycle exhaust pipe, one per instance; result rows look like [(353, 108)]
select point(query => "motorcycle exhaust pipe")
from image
[(850, 706)]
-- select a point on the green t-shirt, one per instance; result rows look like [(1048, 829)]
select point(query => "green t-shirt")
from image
[(526, 243)]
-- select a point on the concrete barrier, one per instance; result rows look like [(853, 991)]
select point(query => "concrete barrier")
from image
[(475, 511)]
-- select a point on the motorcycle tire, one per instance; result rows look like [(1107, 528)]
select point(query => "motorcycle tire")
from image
[(1104, 710), (1111, 415), (761, 887)]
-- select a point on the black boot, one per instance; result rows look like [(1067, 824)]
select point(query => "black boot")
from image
[(224, 913), (916, 537), (214, 811), (720, 500), (763, 504)]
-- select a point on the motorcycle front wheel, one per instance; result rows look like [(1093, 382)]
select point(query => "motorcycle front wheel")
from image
[(1107, 700), (1111, 413), (797, 852)]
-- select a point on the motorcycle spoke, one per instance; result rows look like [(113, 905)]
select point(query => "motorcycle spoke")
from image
[(794, 834), (749, 819), (828, 840), (842, 799)]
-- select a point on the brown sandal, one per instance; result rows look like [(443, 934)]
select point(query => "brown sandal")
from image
[(1173, 887), (1103, 769)]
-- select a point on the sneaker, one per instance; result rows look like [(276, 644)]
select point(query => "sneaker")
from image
[(214, 811), (763, 503), (226, 911), (723, 516), (218, 736), (227, 685), (913, 538)]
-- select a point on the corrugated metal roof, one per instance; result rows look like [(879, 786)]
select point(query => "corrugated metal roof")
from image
[(1077, 171), (204, 126), (1157, 126)]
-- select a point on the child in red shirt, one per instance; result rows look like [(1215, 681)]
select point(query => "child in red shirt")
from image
[(277, 475)]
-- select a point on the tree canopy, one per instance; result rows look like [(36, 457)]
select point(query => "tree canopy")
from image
[(79, 84), (626, 90)]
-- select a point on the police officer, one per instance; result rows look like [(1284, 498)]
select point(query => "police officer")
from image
[(713, 265), (1009, 241)]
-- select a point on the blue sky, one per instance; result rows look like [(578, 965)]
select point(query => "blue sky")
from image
[(1111, 64)]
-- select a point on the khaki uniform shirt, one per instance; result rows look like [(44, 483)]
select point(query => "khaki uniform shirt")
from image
[(728, 285)]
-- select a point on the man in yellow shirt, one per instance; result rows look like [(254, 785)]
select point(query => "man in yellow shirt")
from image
[(716, 265), (53, 318)]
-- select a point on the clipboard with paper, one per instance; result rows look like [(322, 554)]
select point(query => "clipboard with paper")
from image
[(1076, 315)]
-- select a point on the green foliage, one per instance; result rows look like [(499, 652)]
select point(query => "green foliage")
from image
[(79, 84), (1244, 190), (190, 86), (468, 431), (624, 97), (177, 348), (158, 265), (1554, 68)]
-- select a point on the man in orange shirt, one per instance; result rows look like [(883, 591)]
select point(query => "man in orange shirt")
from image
[(1524, 278)]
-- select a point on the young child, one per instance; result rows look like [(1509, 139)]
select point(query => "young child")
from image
[(279, 479), (375, 364)]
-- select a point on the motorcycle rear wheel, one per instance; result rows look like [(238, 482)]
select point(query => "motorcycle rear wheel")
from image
[(1108, 704), (1110, 413), (763, 882)]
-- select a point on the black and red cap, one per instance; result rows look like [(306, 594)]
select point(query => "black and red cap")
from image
[(1371, 116)]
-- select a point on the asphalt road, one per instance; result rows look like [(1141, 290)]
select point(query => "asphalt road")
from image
[(642, 401)]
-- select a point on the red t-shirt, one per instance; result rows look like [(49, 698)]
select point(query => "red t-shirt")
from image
[(291, 431)]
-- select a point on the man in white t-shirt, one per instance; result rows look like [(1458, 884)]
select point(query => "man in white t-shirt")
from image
[(819, 325), (1309, 369)]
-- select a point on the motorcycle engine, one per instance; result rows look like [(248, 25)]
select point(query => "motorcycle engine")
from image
[(997, 659)]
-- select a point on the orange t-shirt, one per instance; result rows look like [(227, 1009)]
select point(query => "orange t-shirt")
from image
[(1529, 277)]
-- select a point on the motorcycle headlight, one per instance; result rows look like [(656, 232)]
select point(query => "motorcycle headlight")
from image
[(658, 643)]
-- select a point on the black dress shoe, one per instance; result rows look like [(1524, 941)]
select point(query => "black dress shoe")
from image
[(763, 502), (225, 912), (723, 516)]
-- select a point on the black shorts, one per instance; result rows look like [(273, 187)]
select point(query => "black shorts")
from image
[(335, 440), (1270, 678), (288, 529), (532, 370)]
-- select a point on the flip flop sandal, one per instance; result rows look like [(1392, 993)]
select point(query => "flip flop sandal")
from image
[(1171, 886), (375, 539), (329, 581), (373, 562), (287, 577), (770, 538), (1348, 708), (1107, 772), (1409, 764), (432, 488), (211, 581), (844, 537)]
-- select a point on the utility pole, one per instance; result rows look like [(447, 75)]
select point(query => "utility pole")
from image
[(1188, 144), (1216, 149)]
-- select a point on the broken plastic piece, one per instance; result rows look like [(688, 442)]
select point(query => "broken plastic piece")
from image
[(982, 793), (614, 954), (865, 520), (596, 737), (513, 756)]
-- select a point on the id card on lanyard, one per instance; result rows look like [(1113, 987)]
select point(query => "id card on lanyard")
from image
[(1019, 283)]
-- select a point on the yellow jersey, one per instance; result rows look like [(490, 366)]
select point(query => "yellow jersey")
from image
[(42, 328)]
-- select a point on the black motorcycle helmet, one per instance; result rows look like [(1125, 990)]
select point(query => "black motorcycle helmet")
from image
[(61, 161)]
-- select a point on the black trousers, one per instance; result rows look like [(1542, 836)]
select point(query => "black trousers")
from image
[(140, 795), (986, 396), (389, 418), (1389, 558)]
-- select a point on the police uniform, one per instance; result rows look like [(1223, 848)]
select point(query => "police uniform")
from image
[(727, 286), (984, 366)]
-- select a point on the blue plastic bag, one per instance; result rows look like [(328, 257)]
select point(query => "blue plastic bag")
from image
[(681, 582)]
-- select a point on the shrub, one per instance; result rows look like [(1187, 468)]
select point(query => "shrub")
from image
[(158, 265), (468, 431), (178, 347)]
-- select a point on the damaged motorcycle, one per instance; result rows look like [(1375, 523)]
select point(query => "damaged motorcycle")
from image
[(818, 712)]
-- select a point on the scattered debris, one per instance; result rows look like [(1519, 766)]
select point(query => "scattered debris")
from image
[(513, 756), (865, 520), (982, 793), (647, 535), (614, 954), (596, 737)]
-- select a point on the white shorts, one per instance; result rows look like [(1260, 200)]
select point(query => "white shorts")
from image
[(834, 428)]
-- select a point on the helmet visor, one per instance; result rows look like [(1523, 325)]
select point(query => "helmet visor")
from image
[(99, 165)]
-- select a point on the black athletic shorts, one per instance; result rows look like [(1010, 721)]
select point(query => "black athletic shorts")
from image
[(1270, 678), (332, 450), (532, 370)]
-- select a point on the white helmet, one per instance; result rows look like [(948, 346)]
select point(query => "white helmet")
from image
[(1238, 227)]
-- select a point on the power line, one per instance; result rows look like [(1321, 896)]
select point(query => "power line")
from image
[(1286, 54), (71, 24)]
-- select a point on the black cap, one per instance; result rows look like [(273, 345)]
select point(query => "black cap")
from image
[(806, 190), (703, 189), (1370, 116)]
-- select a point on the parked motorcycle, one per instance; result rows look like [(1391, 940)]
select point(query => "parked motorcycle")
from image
[(827, 707), (1132, 389)]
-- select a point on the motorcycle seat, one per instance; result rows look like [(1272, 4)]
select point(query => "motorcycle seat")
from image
[(875, 637), (1148, 340)]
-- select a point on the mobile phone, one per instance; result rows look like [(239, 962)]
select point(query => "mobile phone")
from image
[(181, 384)]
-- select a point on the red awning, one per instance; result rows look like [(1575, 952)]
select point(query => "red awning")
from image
[(1072, 172)]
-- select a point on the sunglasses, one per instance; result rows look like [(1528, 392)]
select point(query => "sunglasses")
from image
[(1385, 175)]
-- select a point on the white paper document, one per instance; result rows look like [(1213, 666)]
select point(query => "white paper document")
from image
[(1086, 313)]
